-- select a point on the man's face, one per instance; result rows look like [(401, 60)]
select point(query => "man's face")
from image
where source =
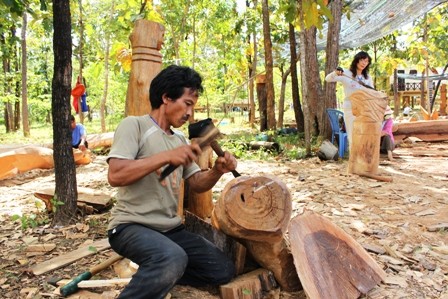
[(178, 112), (72, 125)]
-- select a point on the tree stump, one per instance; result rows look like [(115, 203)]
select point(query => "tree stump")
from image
[(257, 210), (368, 106), (146, 40)]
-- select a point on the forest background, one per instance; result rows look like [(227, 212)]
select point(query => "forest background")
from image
[(228, 43)]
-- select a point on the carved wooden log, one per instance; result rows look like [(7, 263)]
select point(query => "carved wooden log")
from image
[(257, 211), (368, 106), (201, 204), (146, 40), (330, 263), (26, 158)]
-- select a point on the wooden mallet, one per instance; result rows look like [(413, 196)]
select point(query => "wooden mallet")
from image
[(72, 286)]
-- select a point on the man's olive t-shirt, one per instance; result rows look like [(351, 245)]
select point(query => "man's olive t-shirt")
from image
[(148, 201)]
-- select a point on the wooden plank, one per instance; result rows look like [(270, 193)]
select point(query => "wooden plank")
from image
[(330, 263), (249, 286), (96, 283), (66, 259)]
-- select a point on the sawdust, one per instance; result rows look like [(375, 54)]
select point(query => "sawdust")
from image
[(396, 221)]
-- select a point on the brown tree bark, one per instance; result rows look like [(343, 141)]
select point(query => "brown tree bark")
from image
[(332, 55), (106, 76), (281, 100), (64, 163), (298, 112), (81, 59), (262, 102), (25, 122), (269, 67), (311, 85)]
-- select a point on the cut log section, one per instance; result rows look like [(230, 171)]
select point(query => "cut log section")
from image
[(257, 211), (330, 263)]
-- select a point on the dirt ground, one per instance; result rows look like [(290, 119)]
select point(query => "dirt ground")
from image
[(403, 224)]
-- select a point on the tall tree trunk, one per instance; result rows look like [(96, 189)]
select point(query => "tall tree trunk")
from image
[(311, 85), (252, 70), (106, 76), (8, 111), (332, 52), (15, 82), (298, 112), (64, 163), (281, 100), (269, 66), (81, 61), (25, 122)]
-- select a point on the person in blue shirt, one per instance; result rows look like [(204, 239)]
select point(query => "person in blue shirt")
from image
[(79, 135)]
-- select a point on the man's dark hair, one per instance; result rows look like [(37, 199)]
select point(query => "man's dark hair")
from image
[(71, 118), (356, 59), (172, 81)]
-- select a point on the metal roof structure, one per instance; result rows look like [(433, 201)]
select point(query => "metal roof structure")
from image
[(370, 20)]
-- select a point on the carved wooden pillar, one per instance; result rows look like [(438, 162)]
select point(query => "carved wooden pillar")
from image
[(201, 204), (368, 106), (442, 100), (146, 40), (256, 211)]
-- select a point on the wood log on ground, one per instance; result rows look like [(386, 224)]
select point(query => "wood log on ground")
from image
[(25, 158), (257, 210), (251, 285), (146, 40), (100, 140), (265, 145), (368, 106), (330, 263), (426, 130)]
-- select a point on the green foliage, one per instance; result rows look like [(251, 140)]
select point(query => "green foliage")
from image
[(31, 220), (55, 204)]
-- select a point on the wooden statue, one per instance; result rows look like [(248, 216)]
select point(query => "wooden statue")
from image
[(256, 211), (368, 106), (146, 40)]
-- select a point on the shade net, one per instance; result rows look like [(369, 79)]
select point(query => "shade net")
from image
[(370, 20)]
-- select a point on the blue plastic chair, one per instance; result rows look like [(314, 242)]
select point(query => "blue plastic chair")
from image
[(336, 129)]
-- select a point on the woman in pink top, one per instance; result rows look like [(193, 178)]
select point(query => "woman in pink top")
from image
[(387, 138)]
